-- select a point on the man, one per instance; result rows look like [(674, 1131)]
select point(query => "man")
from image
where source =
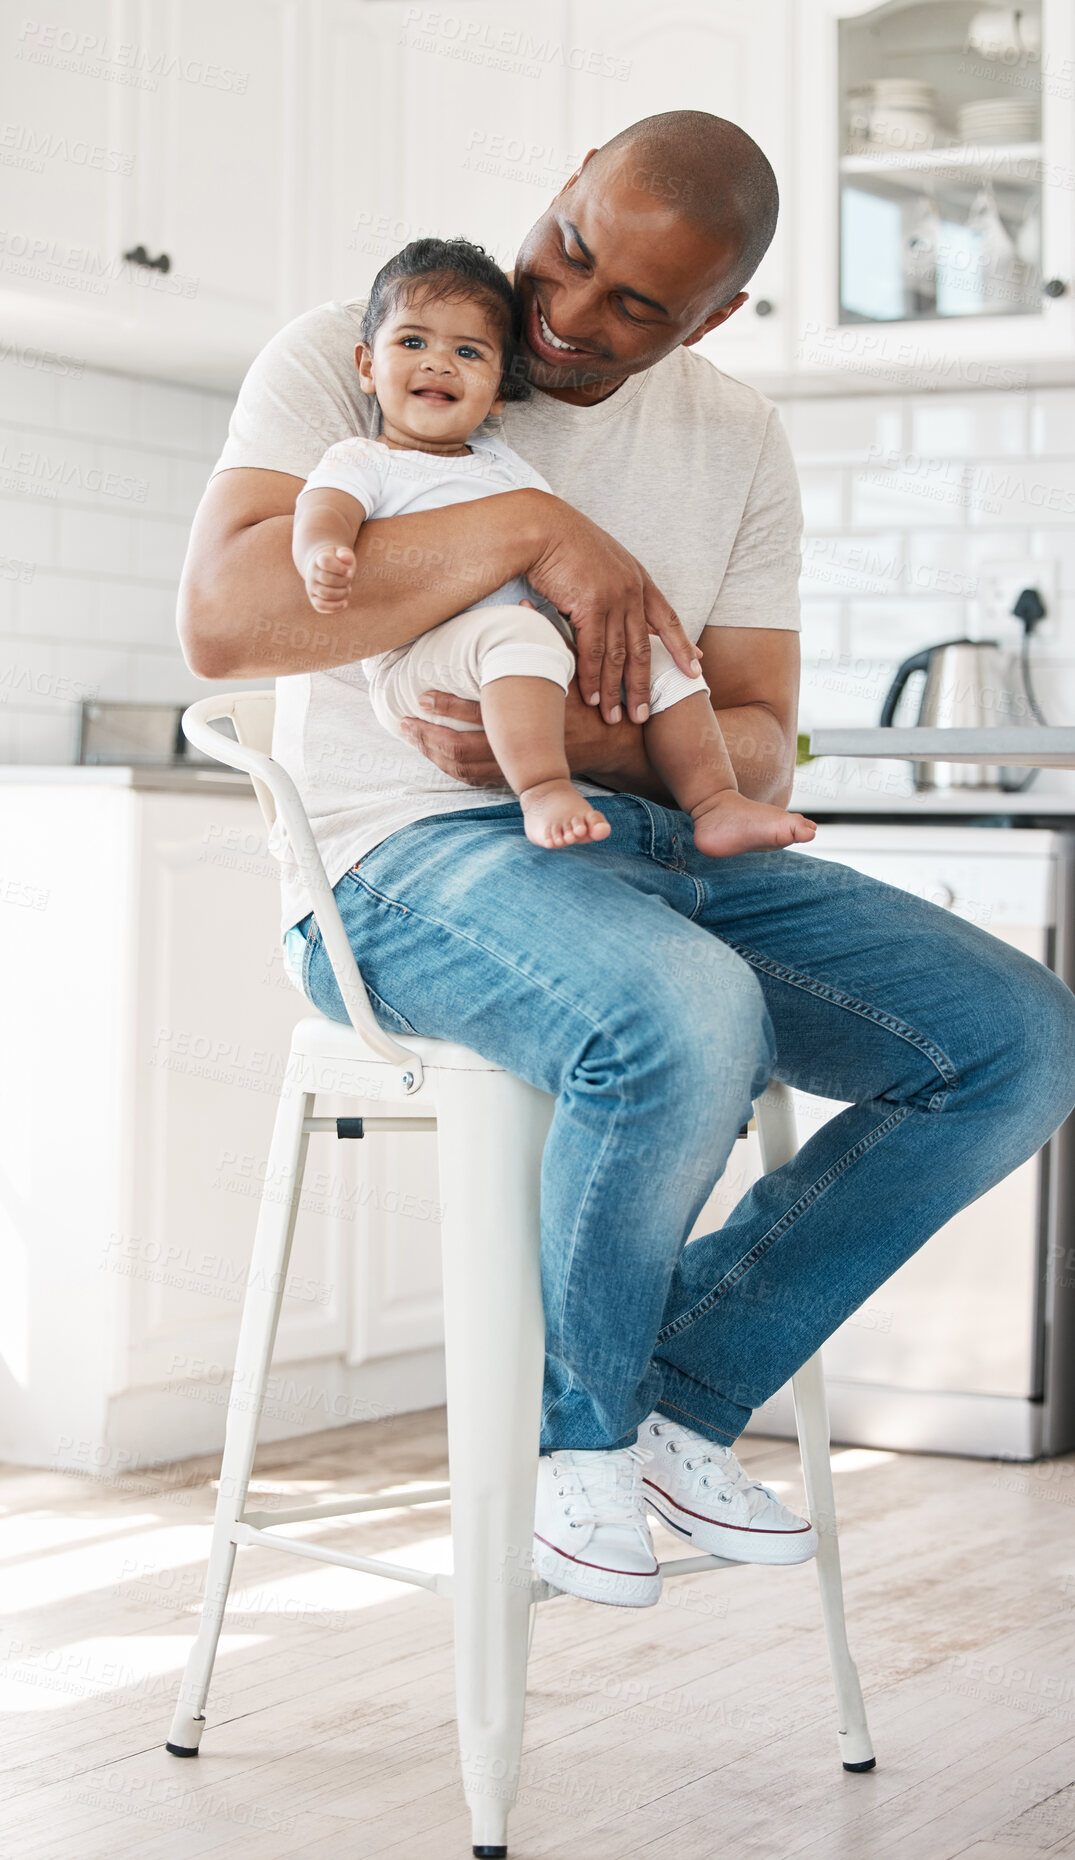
[(652, 990)]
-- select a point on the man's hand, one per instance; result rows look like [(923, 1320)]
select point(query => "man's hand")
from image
[(465, 754), (613, 606), (592, 746)]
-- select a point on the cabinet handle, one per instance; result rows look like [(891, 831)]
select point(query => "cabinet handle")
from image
[(764, 307), (139, 256), (1055, 287)]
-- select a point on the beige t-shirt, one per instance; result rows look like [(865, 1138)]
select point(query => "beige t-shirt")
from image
[(685, 466)]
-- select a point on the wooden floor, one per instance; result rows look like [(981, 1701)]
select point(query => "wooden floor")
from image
[(698, 1729)]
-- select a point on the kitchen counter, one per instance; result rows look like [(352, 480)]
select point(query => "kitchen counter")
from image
[(868, 771), (833, 785), (1045, 747), (829, 785), (158, 778)]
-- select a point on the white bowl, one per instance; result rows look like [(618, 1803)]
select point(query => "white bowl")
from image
[(902, 131)]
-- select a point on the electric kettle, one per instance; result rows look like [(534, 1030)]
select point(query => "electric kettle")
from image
[(967, 686)]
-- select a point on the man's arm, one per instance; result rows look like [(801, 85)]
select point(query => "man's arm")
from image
[(243, 609), (244, 613), (753, 677)]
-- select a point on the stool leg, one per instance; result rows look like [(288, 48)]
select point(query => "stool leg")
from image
[(812, 1420), (257, 1335), (775, 1113), (491, 1134), (777, 1135)]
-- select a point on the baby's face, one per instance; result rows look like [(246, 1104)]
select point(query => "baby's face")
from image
[(435, 368)]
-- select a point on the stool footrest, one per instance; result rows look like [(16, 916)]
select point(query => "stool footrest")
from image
[(348, 1507), (686, 1565), (361, 1126), (438, 1582)]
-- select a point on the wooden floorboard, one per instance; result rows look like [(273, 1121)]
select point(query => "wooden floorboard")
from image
[(702, 1727)]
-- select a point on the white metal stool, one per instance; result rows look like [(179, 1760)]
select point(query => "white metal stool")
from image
[(492, 1128)]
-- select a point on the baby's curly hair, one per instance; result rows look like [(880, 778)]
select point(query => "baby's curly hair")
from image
[(453, 268)]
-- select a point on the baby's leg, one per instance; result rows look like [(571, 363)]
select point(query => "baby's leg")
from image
[(685, 745), (518, 667)]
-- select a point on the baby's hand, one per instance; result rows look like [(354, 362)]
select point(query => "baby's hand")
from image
[(329, 575)]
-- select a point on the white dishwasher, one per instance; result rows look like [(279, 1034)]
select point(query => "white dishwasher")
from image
[(970, 1346)]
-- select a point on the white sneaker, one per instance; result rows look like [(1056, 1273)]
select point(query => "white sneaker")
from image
[(591, 1533), (701, 1491)]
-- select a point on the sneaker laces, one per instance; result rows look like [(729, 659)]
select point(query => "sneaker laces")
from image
[(704, 1454), (601, 1488)]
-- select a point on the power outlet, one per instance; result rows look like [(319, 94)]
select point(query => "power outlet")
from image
[(1000, 584)]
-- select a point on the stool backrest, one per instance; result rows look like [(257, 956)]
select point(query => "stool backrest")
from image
[(251, 714)]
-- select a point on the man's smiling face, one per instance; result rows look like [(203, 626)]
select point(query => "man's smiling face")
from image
[(612, 278)]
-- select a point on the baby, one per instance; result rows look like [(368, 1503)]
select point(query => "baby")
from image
[(439, 351)]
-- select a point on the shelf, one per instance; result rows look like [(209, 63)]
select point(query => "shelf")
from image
[(1011, 163)]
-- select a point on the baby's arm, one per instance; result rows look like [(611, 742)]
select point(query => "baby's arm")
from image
[(326, 527)]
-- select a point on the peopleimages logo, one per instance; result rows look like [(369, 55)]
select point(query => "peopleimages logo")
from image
[(40, 470), (484, 41), (31, 148), (94, 54)]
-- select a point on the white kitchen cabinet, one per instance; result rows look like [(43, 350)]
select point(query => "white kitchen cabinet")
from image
[(637, 59), (170, 128), (65, 163), (139, 1094), (473, 118), (213, 187), (279, 151), (429, 121), (920, 254)]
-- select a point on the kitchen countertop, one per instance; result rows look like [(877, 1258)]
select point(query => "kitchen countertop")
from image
[(1044, 747), (829, 785), (197, 778), (834, 793)]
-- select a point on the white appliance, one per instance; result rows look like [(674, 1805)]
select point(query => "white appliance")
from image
[(970, 1347)]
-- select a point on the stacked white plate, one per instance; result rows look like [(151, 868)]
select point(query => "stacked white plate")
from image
[(903, 93), (999, 119), (900, 114)]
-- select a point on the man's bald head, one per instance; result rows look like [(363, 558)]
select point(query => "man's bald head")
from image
[(645, 249), (710, 172)]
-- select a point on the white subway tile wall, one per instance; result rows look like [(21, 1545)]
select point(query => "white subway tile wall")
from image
[(99, 478), (908, 501)]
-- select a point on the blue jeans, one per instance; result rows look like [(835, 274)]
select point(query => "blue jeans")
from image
[(654, 991)]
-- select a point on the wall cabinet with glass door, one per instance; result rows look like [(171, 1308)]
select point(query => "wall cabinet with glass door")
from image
[(937, 161)]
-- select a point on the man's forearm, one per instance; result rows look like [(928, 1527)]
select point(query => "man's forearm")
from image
[(244, 611), (762, 752), (761, 756)]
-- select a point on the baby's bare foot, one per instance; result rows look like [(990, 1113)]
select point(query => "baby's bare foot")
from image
[(555, 814), (731, 823)]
